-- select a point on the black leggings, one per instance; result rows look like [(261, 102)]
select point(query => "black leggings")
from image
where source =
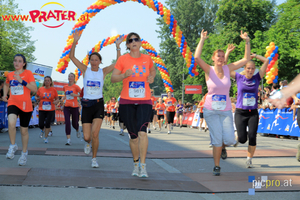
[(244, 118), (45, 118), (170, 116)]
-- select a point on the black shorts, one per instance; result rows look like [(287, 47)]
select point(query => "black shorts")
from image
[(105, 113), (108, 115), (152, 115), (45, 118), (154, 112), (136, 117), (24, 116), (115, 116), (159, 117), (170, 116), (201, 115), (95, 111)]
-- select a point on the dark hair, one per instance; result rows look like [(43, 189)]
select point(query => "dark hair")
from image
[(129, 36), (1, 82), (51, 85), (97, 54), (276, 86), (24, 59)]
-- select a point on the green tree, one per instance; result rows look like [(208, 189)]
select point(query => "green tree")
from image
[(14, 37), (192, 16)]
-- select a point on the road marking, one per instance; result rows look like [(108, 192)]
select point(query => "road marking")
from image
[(166, 166), (210, 196), (117, 138)]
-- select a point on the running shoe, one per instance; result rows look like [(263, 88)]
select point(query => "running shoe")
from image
[(298, 153), (78, 133), (180, 126), (136, 169), (113, 127), (42, 134), (210, 145), (68, 142), (236, 144), (166, 126), (249, 163), (46, 140), (169, 132), (154, 128), (143, 171), (23, 159), (224, 154), (87, 148), (205, 129), (122, 132), (95, 163), (11, 151), (216, 171), (50, 134)]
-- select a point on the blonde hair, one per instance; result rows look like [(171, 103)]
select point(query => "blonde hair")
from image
[(250, 62)]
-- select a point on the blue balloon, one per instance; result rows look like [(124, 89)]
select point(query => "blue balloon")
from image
[(275, 81), (33, 98), (272, 55), (37, 83)]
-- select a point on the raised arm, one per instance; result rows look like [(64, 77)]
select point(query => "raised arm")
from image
[(229, 49), (110, 68), (198, 52), (79, 65), (264, 67), (238, 64)]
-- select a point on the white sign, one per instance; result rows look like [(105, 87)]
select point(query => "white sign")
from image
[(39, 71)]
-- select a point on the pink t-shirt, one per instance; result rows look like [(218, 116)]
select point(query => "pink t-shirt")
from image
[(218, 90)]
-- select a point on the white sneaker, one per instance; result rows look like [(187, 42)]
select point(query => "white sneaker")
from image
[(169, 132), (136, 170), (23, 159), (154, 128), (122, 132), (87, 148), (249, 163), (78, 133), (42, 134), (11, 151), (95, 163), (46, 140), (68, 142), (143, 171), (50, 134)]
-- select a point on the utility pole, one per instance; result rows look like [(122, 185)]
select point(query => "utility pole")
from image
[(182, 99)]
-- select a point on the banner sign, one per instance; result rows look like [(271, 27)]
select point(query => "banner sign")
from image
[(193, 89), (59, 85), (39, 71)]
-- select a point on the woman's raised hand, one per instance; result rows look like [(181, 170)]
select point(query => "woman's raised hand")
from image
[(245, 36), (76, 35), (230, 48), (204, 35), (119, 41)]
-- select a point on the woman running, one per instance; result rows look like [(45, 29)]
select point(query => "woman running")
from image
[(92, 101), (217, 106), (137, 72), (160, 109), (48, 97), (179, 112), (170, 105), (21, 82)]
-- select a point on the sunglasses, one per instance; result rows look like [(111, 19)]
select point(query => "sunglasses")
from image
[(133, 39)]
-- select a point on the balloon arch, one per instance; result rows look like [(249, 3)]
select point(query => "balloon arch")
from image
[(156, 6), (145, 45)]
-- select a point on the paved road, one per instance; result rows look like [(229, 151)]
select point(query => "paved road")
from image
[(179, 166)]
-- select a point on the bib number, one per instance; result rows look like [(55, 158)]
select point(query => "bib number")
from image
[(249, 99), (137, 89), (160, 112), (16, 88), (219, 102), (46, 105), (93, 88)]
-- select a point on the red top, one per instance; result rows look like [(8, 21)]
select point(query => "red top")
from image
[(47, 97), (170, 104), (160, 108)]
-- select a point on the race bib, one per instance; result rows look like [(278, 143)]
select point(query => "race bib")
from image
[(160, 112), (114, 110), (137, 89), (46, 105), (249, 99), (68, 95), (16, 88), (93, 87), (219, 102), (170, 103)]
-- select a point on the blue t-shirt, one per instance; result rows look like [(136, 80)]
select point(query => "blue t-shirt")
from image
[(247, 91)]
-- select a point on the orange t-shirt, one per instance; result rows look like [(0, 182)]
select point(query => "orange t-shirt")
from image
[(153, 102), (108, 108), (19, 94), (170, 102), (47, 97), (201, 104), (160, 108), (112, 108), (70, 100), (136, 86)]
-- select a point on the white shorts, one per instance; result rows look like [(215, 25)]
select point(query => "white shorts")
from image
[(220, 124)]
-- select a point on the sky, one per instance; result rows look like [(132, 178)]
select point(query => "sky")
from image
[(121, 18)]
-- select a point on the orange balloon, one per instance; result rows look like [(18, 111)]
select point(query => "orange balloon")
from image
[(6, 73), (272, 77)]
